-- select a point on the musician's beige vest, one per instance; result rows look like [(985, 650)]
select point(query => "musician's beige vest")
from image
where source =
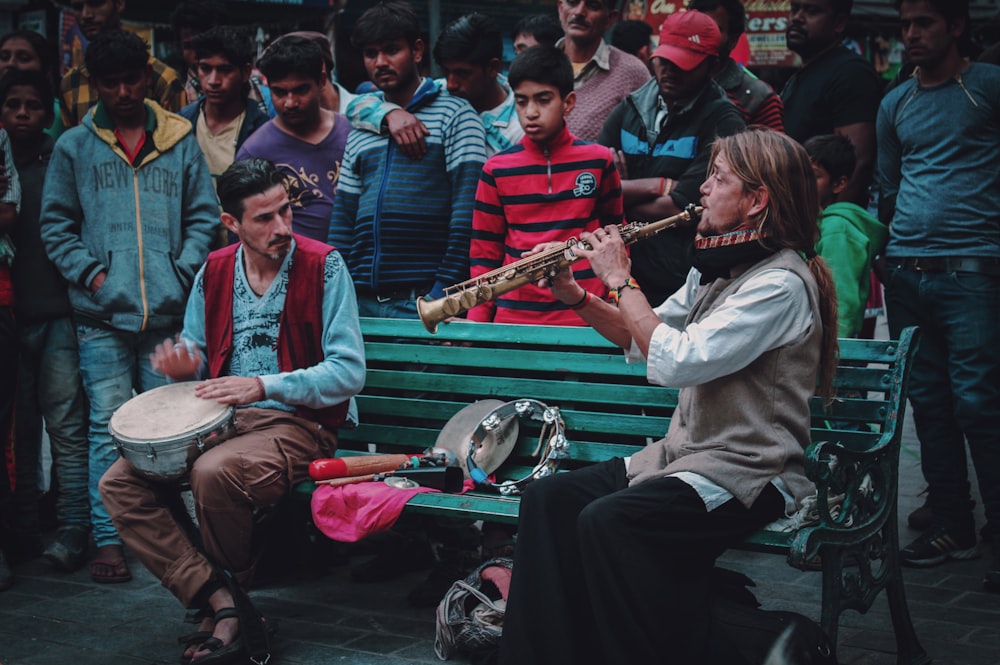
[(742, 430)]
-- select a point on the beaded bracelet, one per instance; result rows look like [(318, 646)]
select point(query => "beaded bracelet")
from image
[(615, 294)]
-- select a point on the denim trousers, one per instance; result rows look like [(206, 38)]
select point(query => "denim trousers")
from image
[(49, 388), (390, 309), (113, 363), (954, 385)]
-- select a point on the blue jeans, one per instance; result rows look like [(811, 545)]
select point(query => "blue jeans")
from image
[(390, 309), (954, 384), (49, 387), (112, 363)]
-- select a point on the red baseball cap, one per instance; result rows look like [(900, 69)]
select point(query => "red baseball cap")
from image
[(687, 38)]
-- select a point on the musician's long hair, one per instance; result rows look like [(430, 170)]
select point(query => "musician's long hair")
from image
[(767, 159)]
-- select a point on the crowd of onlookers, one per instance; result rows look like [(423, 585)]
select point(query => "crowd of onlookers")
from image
[(109, 208)]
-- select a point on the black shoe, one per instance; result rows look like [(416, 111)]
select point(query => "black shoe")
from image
[(69, 550), (397, 557), (991, 582), (6, 576), (938, 545)]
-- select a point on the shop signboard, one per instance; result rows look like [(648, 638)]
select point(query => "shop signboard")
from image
[(767, 21)]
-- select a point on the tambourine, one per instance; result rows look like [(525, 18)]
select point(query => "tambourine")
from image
[(553, 447)]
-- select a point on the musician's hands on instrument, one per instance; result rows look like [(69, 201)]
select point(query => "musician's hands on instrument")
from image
[(173, 359), (231, 390), (408, 132), (607, 255)]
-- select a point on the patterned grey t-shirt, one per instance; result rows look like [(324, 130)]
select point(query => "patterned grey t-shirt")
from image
[(255, 327)]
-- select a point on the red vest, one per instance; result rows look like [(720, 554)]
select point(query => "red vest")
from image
[(300, 329)]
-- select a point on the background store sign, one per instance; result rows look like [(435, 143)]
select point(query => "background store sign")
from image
[(767, 21)]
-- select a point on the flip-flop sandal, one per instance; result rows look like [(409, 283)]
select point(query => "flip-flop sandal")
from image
[(118, 564)]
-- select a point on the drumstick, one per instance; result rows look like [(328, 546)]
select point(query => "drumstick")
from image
[(344, 467), (349, 480)]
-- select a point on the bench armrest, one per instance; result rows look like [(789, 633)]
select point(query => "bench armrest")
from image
[(855, 495)]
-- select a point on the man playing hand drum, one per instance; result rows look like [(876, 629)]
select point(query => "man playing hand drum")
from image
[(272, 324)]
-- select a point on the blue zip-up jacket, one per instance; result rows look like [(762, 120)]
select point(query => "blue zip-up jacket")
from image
[(148, 226), (402, 223)]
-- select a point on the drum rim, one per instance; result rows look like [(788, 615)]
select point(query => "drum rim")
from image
[(208, 424), (221, 420)]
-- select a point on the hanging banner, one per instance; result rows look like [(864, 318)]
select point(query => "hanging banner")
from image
[(767, 21), (653, 12)]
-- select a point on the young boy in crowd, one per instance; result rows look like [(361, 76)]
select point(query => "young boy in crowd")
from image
[(49, 385), (849, 237), (549, 187)]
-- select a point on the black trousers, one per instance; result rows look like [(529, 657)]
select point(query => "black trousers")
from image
[(605, 573)]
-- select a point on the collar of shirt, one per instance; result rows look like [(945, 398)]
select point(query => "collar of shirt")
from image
[(600, 60), (103, 119), (500, 115)]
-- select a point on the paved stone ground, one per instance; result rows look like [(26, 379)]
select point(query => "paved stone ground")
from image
[(60, 619)]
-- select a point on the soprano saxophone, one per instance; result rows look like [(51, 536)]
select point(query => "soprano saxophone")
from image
[(465, 295)]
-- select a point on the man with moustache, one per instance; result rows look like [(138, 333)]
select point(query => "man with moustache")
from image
[(662, 135), (76, 91), (272, 328), (305, 140), (939, 133), (602, 74), (836, 92), (396, 250)]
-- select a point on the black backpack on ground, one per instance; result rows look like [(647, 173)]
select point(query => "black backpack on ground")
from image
[(740, 633)]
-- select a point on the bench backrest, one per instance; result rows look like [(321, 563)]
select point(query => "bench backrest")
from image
[(416, 381)]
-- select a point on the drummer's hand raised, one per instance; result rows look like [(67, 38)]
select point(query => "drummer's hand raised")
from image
[(175, 360), (231, 390)]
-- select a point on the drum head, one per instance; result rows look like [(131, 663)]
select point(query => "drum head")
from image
[(165, 414)]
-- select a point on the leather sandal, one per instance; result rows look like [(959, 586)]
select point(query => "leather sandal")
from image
[(222, 653)]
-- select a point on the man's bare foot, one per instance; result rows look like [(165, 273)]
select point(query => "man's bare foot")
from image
[(109, 565)]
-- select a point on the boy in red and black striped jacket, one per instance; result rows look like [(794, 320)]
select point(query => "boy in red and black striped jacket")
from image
[(549, 187)]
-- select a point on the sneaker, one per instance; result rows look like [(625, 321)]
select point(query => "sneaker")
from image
[(991, 582), (69, 550), (6, 576), (937, 546)]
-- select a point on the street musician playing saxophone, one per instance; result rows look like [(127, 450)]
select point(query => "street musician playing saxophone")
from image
[(613, 560)]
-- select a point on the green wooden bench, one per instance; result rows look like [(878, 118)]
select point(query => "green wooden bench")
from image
[(416, 381)]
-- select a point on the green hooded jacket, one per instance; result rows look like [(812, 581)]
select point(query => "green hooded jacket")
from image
[(849, 239)]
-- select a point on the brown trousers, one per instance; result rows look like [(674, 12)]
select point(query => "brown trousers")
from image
[(269, 452)]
